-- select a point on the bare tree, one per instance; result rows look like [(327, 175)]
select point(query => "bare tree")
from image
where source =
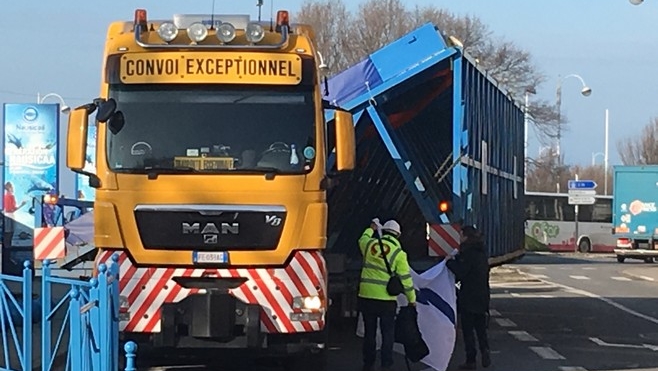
[(379, 22), (545, 174), (595, 173), (642, 150), (328, 18), (543, 115)]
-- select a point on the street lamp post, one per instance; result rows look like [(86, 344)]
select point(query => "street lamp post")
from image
[(636, 2), (585, 91), (526, 120), (64, 108), (595, 155)]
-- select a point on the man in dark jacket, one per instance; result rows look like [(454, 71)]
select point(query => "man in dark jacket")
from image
[(471, 268)]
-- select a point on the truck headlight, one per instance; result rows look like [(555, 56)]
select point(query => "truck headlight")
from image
[(307, 302), (168, 31), (197, 32), (255, 33), (226, 32)]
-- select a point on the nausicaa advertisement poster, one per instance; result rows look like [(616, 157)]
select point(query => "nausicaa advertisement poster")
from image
[(30, 166)]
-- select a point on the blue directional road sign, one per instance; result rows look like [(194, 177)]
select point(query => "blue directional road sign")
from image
[(582, 184)]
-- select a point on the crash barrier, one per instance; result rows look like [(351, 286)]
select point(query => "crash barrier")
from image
[(78, 321)]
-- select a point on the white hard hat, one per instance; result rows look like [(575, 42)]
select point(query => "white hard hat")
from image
[(392, 226)]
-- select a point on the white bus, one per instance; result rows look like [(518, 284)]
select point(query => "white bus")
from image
[(550, 224)]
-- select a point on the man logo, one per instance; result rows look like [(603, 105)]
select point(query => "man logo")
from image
[(210, 239)]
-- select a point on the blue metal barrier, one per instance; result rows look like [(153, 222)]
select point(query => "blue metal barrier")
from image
[(91, 316), (13, 314)]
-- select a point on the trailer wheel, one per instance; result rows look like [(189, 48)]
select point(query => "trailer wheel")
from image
[(648, 260), (585, 245), (620, 259)]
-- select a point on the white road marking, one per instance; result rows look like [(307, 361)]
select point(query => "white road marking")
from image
[(547, 353), (621, 278), (540, 268), (589, 268), (579, 277), (494, 313), (566, 268), (539, 276), (634, 346), (540, 296), (504, 322), (606, 300), (571, 368), (646, 278), (522, 336)]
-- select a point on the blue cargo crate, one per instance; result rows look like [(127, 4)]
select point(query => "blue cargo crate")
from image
[(431, 127)]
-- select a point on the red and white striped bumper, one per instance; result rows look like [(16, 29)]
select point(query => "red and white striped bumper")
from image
[(278, 292)]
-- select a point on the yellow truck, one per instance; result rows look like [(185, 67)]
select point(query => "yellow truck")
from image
[(211, 181)]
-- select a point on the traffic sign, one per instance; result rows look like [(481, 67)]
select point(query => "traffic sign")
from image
[(582, 184), (582, 192), (582, 200)]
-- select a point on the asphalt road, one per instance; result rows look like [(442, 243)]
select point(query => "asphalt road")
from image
[(567, 312), (585, 311), (550, 312)]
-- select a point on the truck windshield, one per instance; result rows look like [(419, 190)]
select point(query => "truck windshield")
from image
[(200, 129)]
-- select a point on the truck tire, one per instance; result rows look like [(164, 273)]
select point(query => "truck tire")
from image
[(620, 259), (648, 260), (585, 245)]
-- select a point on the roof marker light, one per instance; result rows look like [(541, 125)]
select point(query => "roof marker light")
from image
[(168, 31), (226, 32), (255, 33), (197, 32)]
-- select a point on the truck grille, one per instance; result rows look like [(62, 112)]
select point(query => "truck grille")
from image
[(210, 227)]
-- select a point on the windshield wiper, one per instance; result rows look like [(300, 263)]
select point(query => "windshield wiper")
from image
[(269, 172), (153, 172)]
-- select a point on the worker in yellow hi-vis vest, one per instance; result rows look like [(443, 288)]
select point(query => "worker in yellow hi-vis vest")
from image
[(384, 276)]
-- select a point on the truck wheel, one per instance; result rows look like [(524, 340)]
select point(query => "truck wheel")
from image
[(316, 361), (620, 259), (585, 245), (648, 260)]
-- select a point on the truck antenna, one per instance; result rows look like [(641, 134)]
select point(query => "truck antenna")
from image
[(212, 16), (272, 16), (259, 4)]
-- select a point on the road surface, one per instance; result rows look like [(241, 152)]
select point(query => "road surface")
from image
[(566, 312)]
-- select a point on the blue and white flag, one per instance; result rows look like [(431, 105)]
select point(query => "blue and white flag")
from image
[(436, 304)]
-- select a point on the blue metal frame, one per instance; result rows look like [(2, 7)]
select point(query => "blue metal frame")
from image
[(92, 318), (11, 313), (401, 158)]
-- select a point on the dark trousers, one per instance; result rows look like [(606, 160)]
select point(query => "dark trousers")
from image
[(384, 312), (474, 323)]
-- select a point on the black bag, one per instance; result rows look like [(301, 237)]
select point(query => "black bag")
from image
[(394, 286), (408, 334)]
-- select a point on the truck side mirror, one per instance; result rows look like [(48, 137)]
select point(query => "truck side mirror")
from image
[(345, 141), (76, 145)]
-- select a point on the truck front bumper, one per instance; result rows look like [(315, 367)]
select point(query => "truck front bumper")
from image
[(629, 253), (219, 320)]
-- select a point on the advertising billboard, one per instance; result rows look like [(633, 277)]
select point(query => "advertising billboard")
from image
[(84, 191), (30, 167)]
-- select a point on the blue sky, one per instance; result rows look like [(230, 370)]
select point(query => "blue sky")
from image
[(56, 46)]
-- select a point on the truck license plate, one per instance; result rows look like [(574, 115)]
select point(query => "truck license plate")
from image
[(204, 257)]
